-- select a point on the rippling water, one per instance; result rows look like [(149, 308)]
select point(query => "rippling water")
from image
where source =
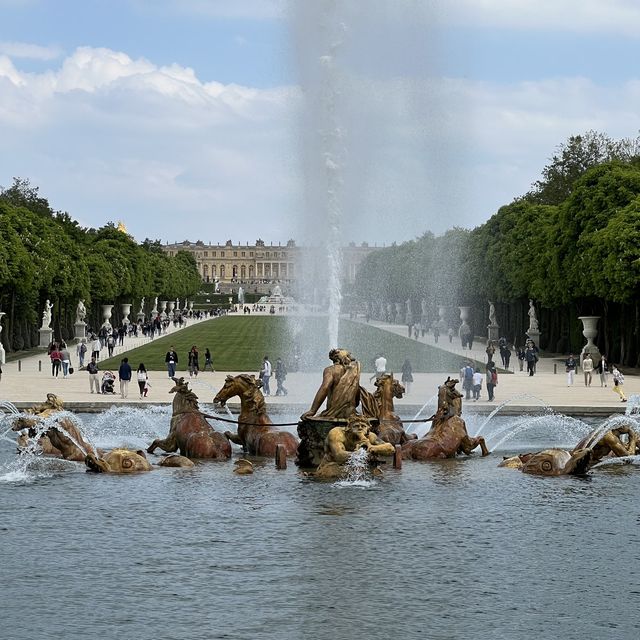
[(448, 549)]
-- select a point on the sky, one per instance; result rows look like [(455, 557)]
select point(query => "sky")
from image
[(214, 120)]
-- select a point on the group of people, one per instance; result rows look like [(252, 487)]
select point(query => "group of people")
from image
[(193, 361), (472, 379), (602, 369), (60, 359), (280, 372)]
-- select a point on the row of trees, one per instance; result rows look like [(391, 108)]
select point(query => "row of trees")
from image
[(46, 254), (572, 244)]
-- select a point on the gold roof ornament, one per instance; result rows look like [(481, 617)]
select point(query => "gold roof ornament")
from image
[(122, 227)]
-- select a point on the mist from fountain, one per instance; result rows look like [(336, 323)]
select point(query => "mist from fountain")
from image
[(357, 471)]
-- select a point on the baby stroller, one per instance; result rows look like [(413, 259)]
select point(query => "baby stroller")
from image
[(108, 381)]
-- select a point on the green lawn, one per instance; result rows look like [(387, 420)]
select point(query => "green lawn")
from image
[(238, 343)]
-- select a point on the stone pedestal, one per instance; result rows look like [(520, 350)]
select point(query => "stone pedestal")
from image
[(140, 317), (46, 335), (535, 336), (313, 433), (80, 330), (493, 332)]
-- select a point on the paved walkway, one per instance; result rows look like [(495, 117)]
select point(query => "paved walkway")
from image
[(30, 385)]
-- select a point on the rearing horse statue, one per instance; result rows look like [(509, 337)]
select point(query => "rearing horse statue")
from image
[(448, 434), (380, 405), (256, 433), (189, 430)]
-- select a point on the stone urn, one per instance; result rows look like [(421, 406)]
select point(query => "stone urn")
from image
[(163, 306), (106, 315), (590, 332), (464, 313), (126, 310), (443, 327), (170, 305)]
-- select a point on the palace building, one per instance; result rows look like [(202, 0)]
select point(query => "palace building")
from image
[(260, 265)]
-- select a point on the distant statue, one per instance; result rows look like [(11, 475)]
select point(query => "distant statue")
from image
[(277, 291), (533, 320), (177, 304), (81, 312), (492, 314), (240, 295), (155, 305), (141, 312), (340, 387), (46, 315)]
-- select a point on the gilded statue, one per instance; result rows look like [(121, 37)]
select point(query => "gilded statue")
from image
[(342, 442), (340, 387)]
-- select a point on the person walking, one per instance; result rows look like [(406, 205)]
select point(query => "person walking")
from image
[(521, 358), (92, 369), (477, 384), (490, 350), (407, 375), (124, 374), (81, 351), (587, 369), (570, 366), (65, 359), (265, 375), (281, 376), (492, 380), (618, 381), (193, 362), (531, 357), (111, 343), (56, 361), (380, 367), (142, 377), (603, 370), (207, 360), (95, 348), (467, 380), (171, 360)]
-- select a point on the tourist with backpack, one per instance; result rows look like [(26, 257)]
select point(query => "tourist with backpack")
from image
[(467, 380)]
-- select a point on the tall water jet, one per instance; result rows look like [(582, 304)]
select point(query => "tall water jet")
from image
[(323, 150)]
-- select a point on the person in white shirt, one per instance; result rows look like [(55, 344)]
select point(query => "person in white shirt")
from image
[(380, 364), (477, 384), (95, 348), (265, 374), (587, 368)]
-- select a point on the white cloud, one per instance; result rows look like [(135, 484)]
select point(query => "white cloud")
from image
[(28, 50), (109, 137), (590, 16)]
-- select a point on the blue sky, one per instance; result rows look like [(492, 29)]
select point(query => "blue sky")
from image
[(215, 120)]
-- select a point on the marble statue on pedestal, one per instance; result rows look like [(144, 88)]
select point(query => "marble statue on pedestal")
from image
[(46, 315)]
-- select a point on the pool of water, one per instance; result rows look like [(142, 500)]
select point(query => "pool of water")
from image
[(445, 549)]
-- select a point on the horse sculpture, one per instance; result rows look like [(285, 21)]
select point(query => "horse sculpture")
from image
[(448, 434), (189, 430), (380, 405), (256, 433)]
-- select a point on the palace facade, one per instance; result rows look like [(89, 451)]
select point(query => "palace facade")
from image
[(259, 265)]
